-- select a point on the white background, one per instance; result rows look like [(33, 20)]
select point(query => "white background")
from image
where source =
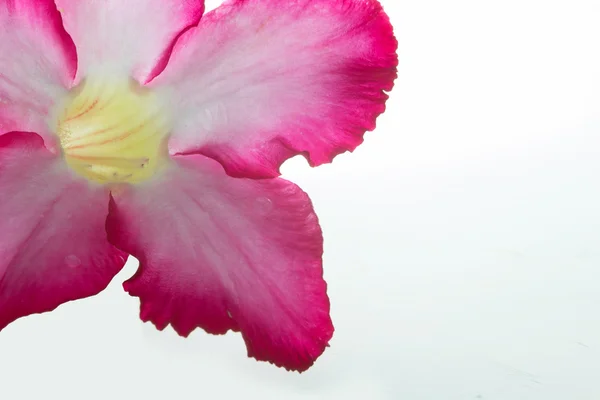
[(462, 239)]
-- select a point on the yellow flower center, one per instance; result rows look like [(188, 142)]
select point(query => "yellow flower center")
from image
[(113, 132)]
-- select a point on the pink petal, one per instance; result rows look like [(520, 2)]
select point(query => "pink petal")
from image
[(53, 245), (259, 81), (37, 63), (223, 253), (131, 37)]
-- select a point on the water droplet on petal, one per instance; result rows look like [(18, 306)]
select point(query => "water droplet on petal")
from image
[(264, 205), (72, 261)]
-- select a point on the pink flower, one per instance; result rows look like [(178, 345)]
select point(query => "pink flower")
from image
[(138, 127)]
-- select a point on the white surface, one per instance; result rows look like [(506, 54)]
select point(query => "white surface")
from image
[(462, 239)]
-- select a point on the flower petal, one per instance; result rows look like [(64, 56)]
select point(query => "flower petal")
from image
[(259, 81), (53, 245), (37, 64), (131, 37), (223, 253)]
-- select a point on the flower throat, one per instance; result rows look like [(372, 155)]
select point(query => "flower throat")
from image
[(113, 132)]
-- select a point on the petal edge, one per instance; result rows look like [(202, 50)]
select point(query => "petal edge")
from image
[(279, 79), (53, 246), (239, 255)]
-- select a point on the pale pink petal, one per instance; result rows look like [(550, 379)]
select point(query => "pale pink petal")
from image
[(259, 81), (53, 245), (37, 64), (223, 253), (131, 37)]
